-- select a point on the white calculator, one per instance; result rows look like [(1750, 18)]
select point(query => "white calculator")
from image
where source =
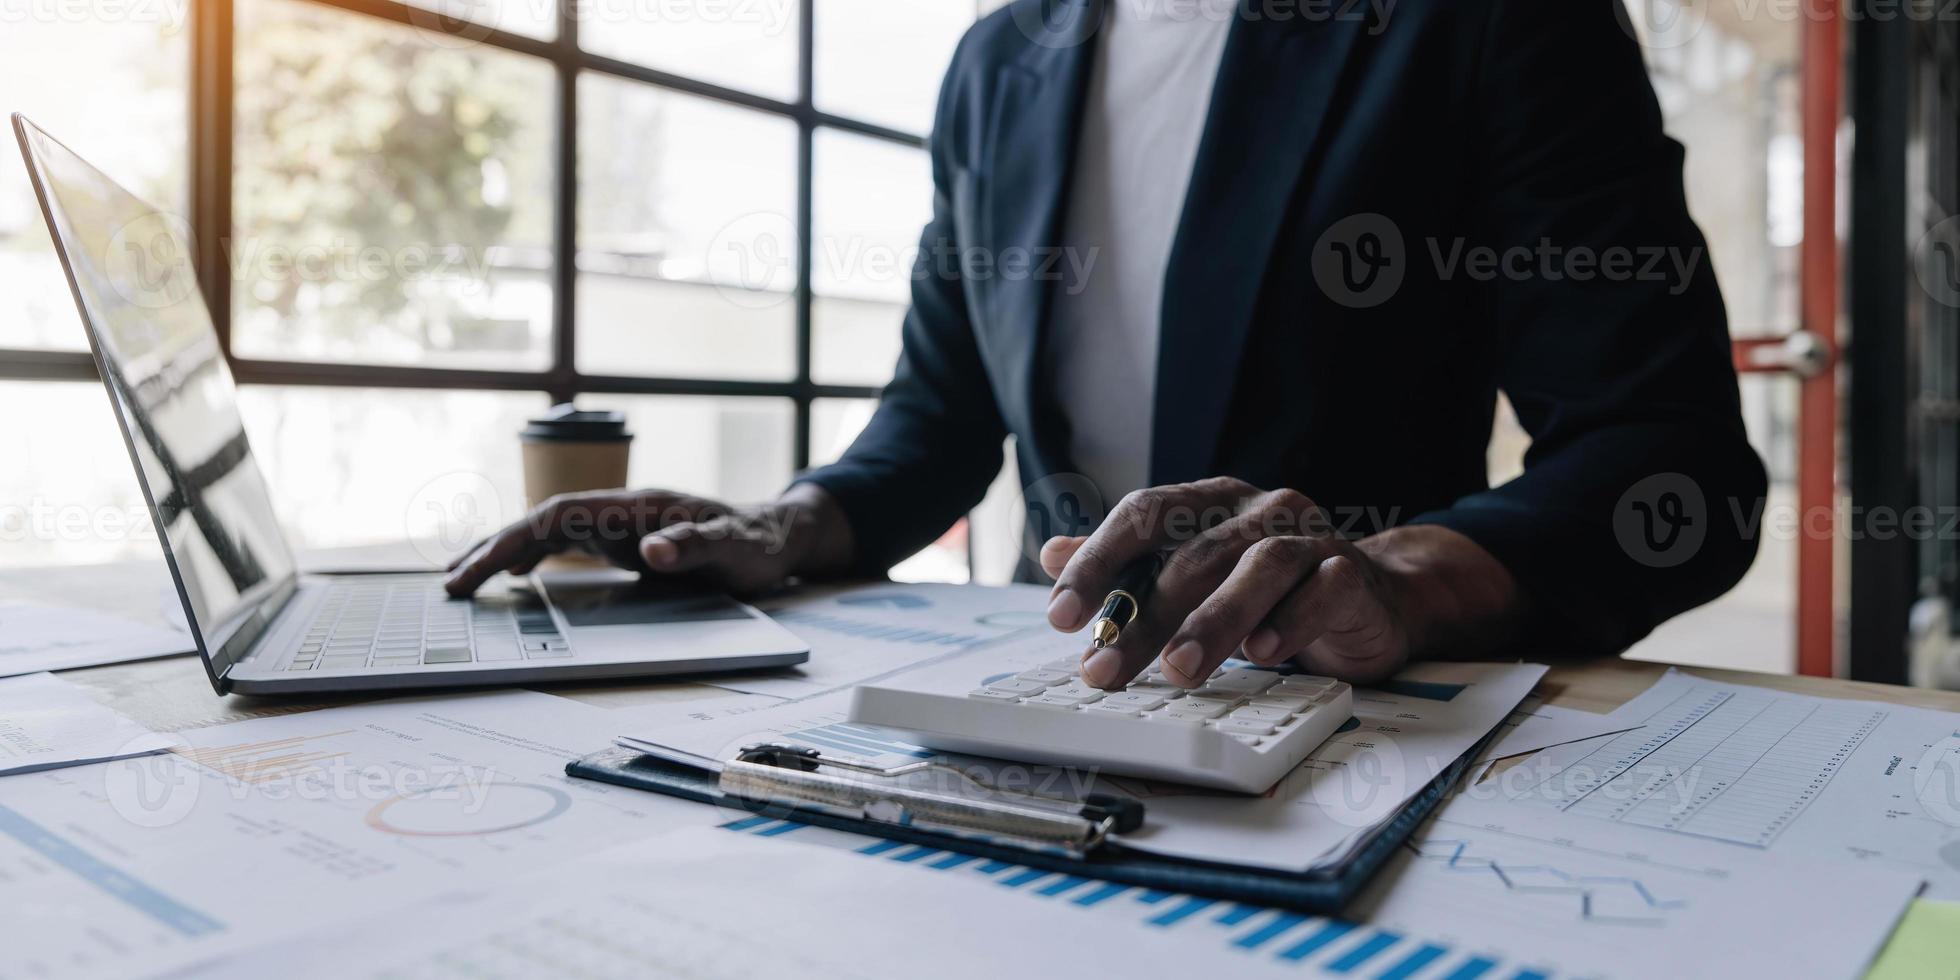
[(1244, 729)]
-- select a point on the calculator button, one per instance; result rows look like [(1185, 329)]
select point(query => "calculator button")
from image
[(1215, 694), (1133, 700), (1045, 676), (1168, 716), (1165, 691), (1014, 685), (1302, 684), (1248, 739), (1104, 707), (1245, 726), (1261, 713), (988, 694), (1288, 702), (1199, 708), (1077, 689), (1072, 694), (1244, 681), (1050, 701)]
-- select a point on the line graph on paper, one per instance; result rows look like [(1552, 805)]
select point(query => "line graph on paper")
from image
[(1607, 899), (1731, 764)]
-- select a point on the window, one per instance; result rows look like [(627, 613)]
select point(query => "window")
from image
[(438, 217)]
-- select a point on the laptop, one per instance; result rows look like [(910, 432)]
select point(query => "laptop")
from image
[(260, 625)]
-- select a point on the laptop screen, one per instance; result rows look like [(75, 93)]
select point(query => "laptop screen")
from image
[(173, 394)]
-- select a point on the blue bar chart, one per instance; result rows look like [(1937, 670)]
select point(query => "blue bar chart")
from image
[(1313, 944)]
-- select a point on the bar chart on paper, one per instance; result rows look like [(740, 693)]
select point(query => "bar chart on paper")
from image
[(1734, 764), (1480, 898)]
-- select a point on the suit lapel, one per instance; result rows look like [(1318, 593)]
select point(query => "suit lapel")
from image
[(1275, 82), (1038, 107)]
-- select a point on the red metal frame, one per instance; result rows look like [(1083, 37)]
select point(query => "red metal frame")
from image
[(1823, 69), (1822, 82)]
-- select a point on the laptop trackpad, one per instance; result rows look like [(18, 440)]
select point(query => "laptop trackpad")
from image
[(616, 616), (633, 604)]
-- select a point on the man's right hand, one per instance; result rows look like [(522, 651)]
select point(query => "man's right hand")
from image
[(741, 549)]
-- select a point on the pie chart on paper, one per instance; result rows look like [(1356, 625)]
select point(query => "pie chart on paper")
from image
[(462, 811)]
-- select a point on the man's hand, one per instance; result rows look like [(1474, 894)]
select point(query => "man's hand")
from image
[(1264, 572), (742, 549)]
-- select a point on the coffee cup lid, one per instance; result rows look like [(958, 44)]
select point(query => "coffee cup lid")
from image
[(566, 423)]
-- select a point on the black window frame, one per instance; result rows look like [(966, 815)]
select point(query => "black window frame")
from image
[(210, 145)]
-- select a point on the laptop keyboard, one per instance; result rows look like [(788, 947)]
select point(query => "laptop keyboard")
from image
[(407, 624)]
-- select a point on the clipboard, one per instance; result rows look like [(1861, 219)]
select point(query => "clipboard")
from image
[(1084, 839)]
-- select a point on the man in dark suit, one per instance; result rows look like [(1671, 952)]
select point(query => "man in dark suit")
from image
[(1270, 319)]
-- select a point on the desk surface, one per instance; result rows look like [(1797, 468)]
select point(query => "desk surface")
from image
[(173, 694)]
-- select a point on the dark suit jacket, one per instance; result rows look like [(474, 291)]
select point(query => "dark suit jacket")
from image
[(1342, 144)]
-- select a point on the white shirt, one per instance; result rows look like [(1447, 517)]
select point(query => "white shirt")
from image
[(1142, 117)]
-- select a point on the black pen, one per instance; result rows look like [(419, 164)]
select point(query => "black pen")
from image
[(1121, 606)]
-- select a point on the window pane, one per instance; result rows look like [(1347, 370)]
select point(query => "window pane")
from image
[(747, 45), (68, 495), (126, 118), (1729, 92), (834, 422), (871, 199), (687, 242), (882, 60), (351, 466), (461, 23), (392, 197), (732, 449)]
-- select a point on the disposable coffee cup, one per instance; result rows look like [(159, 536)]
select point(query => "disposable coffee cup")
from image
[(569, 451)]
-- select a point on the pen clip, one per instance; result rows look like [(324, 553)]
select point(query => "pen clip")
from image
[(786, 775)]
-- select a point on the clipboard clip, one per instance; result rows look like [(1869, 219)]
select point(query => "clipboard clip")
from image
[(771, 774)]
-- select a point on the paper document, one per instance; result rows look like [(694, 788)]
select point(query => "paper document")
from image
[(260, 829), (37, 638), (1405, 732), (861, 632), (709, 903), (1586, 898), (48, 723), (1762, 769), (1537, 725), (1466, 901)]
